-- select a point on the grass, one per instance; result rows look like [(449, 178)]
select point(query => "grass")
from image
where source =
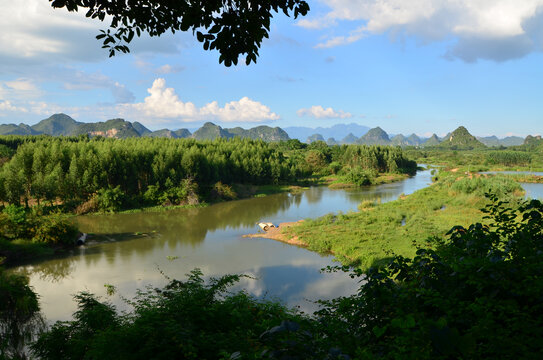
[(376, 232)]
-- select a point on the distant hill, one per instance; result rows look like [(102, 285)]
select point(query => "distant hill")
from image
[(512, 141), (338, 131), (331, 141), (161, 133), (532, 140), (57, 124), (182, 133), (142, 130), (375, 136), (495, 141), (12, 129), (114, 128), (432, 141), (349, 139), (461, 139), (399, 140), (414, 140), (262, 132), (211, 131), (314, 137)]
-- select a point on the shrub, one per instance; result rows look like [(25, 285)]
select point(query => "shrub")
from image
[(55, 229), (111, 199), (359, 176), (221, 191)]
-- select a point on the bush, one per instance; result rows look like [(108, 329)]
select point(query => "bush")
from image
[(55, 229), (221, 191), (111, 199), (360, 177)]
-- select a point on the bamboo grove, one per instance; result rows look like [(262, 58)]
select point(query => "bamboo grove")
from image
[(74, 169)]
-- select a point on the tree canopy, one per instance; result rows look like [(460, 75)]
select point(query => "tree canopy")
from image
[(232, 27)]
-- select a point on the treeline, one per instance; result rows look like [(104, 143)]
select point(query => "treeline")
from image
[(157, 171)]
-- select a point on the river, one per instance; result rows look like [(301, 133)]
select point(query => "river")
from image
[(139, 246)]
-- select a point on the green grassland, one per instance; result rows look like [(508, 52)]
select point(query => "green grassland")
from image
[(378, 231)]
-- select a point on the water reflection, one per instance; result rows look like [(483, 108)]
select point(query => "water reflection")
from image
[(133, 247)]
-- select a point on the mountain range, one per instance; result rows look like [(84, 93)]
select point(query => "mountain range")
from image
[(64, 125)]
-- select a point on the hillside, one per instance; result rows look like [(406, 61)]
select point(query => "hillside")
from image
[(399, 140), (414, 140), (142, 130), (211, 131), (432, 141), (375, 136), (349, 139), (57, 124), (461, 139), (262, 132), (314, 137), (21, 129), (338, 131), (507, 141), (114, 128)]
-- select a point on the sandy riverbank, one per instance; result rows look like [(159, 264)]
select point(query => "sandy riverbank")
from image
[(276, 233)]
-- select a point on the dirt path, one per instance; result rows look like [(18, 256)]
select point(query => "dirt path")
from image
[(275, 233)]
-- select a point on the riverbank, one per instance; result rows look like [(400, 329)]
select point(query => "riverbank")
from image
[(372, 235)]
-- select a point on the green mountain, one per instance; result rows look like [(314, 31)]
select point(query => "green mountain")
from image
[(432, 141), (262, 132), (489, 140), (140, 128), (414, 140), (461, 139), (161, 133), (399, 140), (331, 141), (533, 140), (57, 124), (211, 131), (375, 136), (507, 141), (512, 141), (314, 138), (21, 129), (114, 128), (182, 133), (349, 139)]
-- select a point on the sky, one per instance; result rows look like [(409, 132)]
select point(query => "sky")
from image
[(417, 66)]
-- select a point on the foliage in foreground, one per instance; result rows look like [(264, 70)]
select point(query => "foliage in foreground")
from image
[(20, 318), (476, 295)]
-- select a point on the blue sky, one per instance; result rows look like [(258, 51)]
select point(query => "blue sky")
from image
[(420, 66)]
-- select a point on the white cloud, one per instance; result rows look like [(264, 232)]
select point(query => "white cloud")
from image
[(7, 106), (32, 32), (163, 104), (483, 29), (321, 113), (169, 69)]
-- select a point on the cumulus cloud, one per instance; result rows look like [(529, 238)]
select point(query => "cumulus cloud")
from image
[(484, 29), (7, 106), (164, 104), (321, 113)]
